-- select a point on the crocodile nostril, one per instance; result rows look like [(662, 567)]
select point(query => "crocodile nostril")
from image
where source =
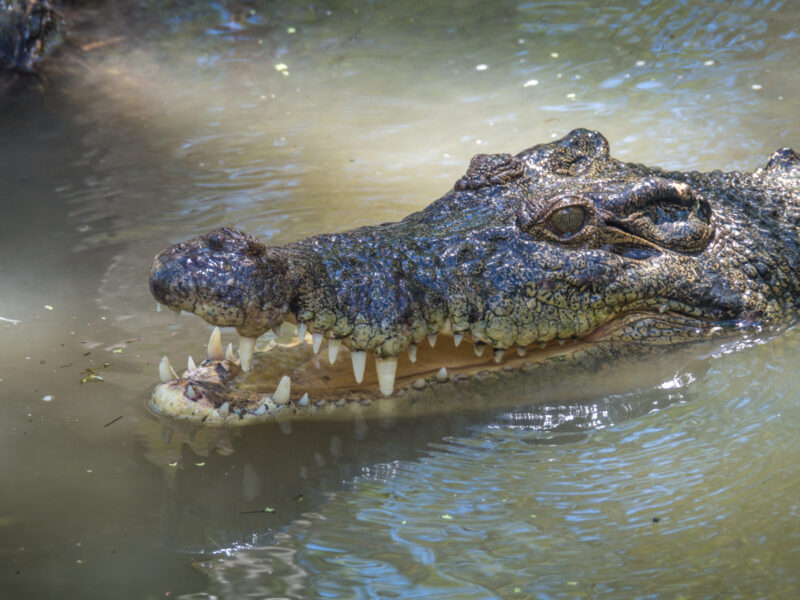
[(215, 241)]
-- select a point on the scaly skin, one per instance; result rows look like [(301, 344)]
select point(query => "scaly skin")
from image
[(559, 243)]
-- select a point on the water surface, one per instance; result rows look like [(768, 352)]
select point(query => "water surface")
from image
[(289, 120)]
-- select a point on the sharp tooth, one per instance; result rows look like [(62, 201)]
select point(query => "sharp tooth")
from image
[(165, 371), (158, 306), (214, 351), (281, 395), (316, 342), (412, 353), (457, 337), (386, 368), (246, 347), (542, 345), (432, 339), (260, 410), (419, 384), (359, 358), (229, 355), (441, 375), (189, 392), (303, 401), (479, 348), (521, 350), (561, 341), (333, 349), (498, 354), (190, 366), (224, 409), (662, 309), (301, 331)]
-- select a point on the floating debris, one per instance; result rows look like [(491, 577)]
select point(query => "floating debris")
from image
[(112, 421), (756, 86), (267, 509), (481, 67), (530, 83), (48, 398), (91, 377)]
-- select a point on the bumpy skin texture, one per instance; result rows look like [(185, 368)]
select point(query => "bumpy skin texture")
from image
[(552, 243)]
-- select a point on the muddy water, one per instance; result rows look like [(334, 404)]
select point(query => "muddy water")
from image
[(291, 120)]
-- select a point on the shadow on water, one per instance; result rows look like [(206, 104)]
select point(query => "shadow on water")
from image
[(171, 120)]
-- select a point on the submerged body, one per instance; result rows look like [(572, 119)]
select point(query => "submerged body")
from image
[(560, 252)]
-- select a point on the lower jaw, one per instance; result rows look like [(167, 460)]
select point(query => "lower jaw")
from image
[(291, 381)]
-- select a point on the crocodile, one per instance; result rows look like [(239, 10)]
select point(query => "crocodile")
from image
[(555, 258)]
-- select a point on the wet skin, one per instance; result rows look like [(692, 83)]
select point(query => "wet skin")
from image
[(558, 252)]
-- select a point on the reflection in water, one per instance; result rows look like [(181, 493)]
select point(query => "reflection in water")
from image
[(189, 122), (667, 503)]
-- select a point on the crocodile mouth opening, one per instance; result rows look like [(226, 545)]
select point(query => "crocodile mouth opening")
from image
[(301, 378)]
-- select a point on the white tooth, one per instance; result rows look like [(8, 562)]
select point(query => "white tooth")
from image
[(303, 401), (316, 342), (386, 368), (542, 345), (479, 348), (521, 350), (662, 309), (359, 358), (498, 354), (190, 366), (301, 331), (224, 409), (457, 337), (229, 355), (432, 339), (561, 341), (281, 395), (214, 351), (412, 353), (419, 384), (158, 306), (189, 391), (333, 349), (441, 375), (246, 347), (165, 371), (260, 410)]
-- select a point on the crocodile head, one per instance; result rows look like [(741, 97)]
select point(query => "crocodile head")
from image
[(529, 259)]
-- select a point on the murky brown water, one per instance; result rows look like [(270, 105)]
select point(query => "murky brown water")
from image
[(685, 485)]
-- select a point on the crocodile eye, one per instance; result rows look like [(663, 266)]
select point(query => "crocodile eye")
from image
[(568, 220)]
